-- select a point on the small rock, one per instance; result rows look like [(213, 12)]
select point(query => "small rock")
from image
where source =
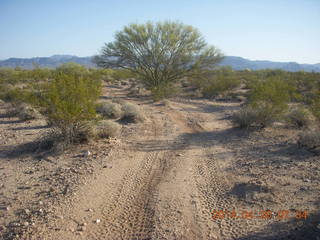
[(83, 228), (84, 224), (25, 224), (90, 210), (87, 153), (27, 211), (7, 208), (40, 203), (98, 221), (179, 155)]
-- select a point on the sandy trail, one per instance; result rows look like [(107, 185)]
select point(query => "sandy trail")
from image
[(161, 182)]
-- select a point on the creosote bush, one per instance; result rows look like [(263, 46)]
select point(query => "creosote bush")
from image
[(70, 101), (268, 102), (218, 82)]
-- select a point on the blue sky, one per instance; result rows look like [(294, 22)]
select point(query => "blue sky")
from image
[(278, 30)]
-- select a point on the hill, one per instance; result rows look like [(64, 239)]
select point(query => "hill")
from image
[(237, 63)]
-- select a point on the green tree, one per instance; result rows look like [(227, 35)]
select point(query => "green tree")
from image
[(159, 53)]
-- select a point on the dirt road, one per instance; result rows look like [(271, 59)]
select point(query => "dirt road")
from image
[(165, 179)]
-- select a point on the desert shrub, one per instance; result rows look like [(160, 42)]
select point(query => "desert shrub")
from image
[(248, 117), (219, 82), (70, 101), (26, 112), (132, 113), (107, 129), (72, 68), (163, 91), (310, 140), (299, 117), (109, 109), (245, 117), (315, 106), (121, 74), (270, 98)]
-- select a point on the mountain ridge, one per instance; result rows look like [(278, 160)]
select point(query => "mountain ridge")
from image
[(237, 63)]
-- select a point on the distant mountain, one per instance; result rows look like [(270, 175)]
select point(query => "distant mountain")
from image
[(237, 63), (45, 62)]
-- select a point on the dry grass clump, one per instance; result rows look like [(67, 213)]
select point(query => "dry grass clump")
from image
[(110, 109), (24, 112), (310, 140), (299, 118), (248, 117), (107, 129), (132, 113)]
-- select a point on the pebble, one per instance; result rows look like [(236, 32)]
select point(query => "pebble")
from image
[(40, 203), (27, 211), (90, 210), (25, 224), (87, 153), (83, 228), (98, 221)]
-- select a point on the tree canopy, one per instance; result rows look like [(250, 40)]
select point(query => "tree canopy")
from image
[(159, 53)]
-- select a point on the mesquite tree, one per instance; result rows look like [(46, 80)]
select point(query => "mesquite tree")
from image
[(159, 53)]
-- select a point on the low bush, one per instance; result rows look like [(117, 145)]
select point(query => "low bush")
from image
[(268, 101), (219, 82), (132, 113), (26, 112), (219, 85), (315, 106), (109, 109), (299, 117), (163, 91), (70, 101), (310, 140), (107, 129), (256, 117)]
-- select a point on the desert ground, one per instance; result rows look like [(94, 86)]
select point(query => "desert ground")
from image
[(184, 173)]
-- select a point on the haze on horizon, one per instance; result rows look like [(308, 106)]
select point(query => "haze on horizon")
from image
[(275, 30)]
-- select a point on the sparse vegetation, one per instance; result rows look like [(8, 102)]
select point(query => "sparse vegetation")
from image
[(110, 109), (132, 113), (299, 117), (107, 129), (248, 117), (310, 140), (69, 101), (218, 82), (26, 112)]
